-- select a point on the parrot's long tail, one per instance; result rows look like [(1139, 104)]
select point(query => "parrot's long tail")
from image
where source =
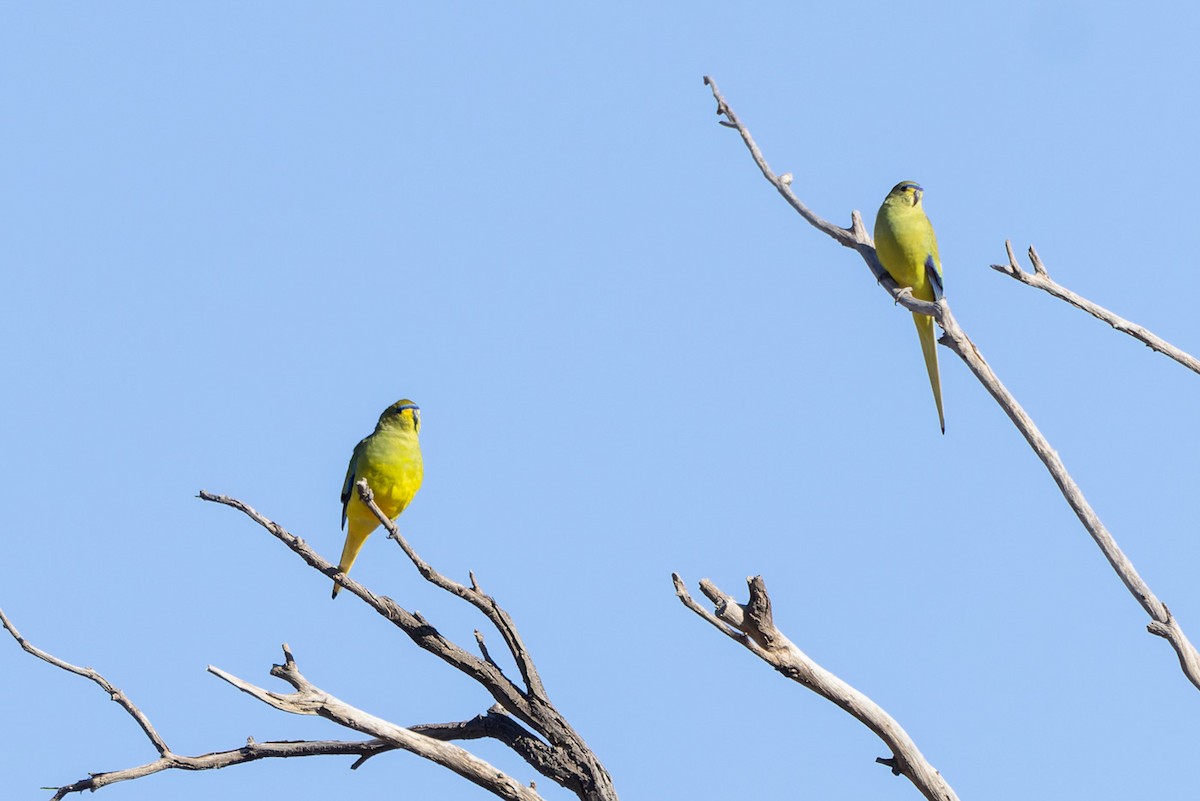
[(354, 543), (924, 325)]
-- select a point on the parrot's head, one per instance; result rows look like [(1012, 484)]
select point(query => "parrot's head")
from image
[(402, 413), (906, 193)]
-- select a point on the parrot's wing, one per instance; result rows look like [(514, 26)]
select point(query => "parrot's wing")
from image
[(351, 477), (934, 275)]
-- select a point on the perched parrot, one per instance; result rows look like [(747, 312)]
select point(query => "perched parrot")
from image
[(390, 460), (908, 250)]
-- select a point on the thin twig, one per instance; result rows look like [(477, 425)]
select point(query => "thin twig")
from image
[(753, 626), (92, 675), (1162, 624), (1040, 279), (250, 752), (168, 760)]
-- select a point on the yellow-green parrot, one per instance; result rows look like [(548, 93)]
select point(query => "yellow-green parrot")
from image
[(390, 460), (908, 250)]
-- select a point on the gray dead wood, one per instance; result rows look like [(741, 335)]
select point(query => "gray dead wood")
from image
[(168, 760), (562, 755), (1162, 622), (1040, 279), (753, 626), (523, 718)]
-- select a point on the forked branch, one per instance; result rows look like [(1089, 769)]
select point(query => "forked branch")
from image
[(90, 674), (754, 627), (473, 595), (1040, 279), (168, 760), (565, 757), (549, 744), (1162, 624), (312, 700)]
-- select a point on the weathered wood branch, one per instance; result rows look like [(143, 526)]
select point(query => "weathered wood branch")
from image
[(753, 626), (1040, 279), (569, 761), (473, 595), (312, 700), (90, 674), (1162, 624), (497, 725), (168, 760), (552, 748)]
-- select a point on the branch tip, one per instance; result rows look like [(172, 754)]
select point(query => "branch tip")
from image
[(1038, 266), (711, 591)]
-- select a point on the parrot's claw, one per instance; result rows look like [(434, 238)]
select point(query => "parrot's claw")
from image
[(903, 292)]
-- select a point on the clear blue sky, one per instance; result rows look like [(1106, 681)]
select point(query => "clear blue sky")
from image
[(233, 233)]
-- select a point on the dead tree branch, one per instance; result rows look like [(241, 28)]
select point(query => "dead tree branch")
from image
[(753, 626), (168, 760), (113, 693), (552, 748), (566, 758), (473, 594), (1162, 624), (1040, 279), (312, 700)]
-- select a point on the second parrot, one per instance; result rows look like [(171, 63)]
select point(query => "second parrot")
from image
[(908, 250)]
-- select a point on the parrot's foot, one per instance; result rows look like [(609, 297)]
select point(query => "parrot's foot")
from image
[(903, 292)]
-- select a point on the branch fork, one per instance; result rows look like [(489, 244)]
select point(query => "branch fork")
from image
[(523, 718), (752, 625), (955, 338), (1040, 279)]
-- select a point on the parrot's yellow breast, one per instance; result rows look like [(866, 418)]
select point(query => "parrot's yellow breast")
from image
[(904, 240), (391, 464)]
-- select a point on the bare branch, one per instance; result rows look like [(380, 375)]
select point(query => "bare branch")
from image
[(506, 693), (428, 740), (729, 630), (250, 752), (312, 700), (169, 760), (591, 778), (88, 673), (855, 237), (844, 236), (497, 725), (1163, 624), (760, 636), (483, 649), (477, 598), (1040, 279), (587, 776)]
